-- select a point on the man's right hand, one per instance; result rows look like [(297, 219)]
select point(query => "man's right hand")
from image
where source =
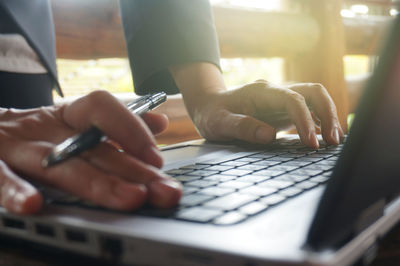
[(122, 178)]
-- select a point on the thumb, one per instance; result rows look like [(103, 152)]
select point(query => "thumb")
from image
[(16, 194), (227, 125)]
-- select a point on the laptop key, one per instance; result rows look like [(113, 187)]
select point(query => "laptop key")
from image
[(290, 192), (186, 178), (230, 202), (202, 173), (290, 177), (194, 199), (189, 190), (253, 178), (281, 184), (309, 159), (178, 171), (236, 172), (327, 162), (248, 159), (297, 163), (201, 183), (230, 218), (234, 163), (195, 166), (317, 166), (266, 163), (292, 155), (253, 208), (198, 214), (281, 167), (234, 184), (263, 155), (217, 191), (319, 155), (320, 179), (280, 159), (219, 177), (306, 185), (306, 172), (273, 199), (219, 168), (328, 173), (251, 167), (258, 190), (267, 172)]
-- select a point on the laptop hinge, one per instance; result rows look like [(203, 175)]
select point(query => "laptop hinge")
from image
[(370, 215)]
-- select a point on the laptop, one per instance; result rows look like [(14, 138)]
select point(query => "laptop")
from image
[(278, 204)]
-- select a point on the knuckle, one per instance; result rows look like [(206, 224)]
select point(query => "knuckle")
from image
[(295, 98), (261, 81), (319, 89), (30, 123), (99, 97)]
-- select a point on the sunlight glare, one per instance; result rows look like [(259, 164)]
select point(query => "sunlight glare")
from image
[(256, 4)]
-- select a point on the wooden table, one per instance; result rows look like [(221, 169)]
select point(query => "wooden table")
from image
[(15, 254)]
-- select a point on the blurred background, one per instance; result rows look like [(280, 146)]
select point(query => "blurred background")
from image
[(334, 42)]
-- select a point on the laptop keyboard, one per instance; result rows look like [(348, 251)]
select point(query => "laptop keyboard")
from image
[(232, 189)]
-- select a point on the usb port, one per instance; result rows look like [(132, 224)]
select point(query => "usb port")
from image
[(45, 230), (75, 236), (14, 223)]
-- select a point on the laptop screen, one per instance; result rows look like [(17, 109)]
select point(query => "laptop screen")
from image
[(368, 172)]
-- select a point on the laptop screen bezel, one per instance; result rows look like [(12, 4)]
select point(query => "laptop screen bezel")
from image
[(329, 227)]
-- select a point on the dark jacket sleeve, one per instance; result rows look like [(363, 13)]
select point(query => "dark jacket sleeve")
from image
[(160, 33)]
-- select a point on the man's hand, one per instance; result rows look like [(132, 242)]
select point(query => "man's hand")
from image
[(247, 113), (122, 178)]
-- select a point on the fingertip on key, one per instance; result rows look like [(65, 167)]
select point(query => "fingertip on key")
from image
[(165, 192)]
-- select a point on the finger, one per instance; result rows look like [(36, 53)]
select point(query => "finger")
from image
[(301, 117), (324, 108), (73, 176), (163, 191), (101, 109), (275, 99), (16, 194), (227, 125), (156, 122), (81, 178), (111, 160)]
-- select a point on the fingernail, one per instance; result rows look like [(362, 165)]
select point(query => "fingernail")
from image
[(335, 136), (123, 191), (263, 134), (314, 143), (8, 192)]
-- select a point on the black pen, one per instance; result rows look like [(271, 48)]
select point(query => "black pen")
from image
[(89, 139)]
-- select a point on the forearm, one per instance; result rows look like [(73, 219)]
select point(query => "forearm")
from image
[(197, 82)]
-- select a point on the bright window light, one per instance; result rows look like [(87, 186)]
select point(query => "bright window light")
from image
[(393, 12), (347, 13), (257, 4), (360, 9)]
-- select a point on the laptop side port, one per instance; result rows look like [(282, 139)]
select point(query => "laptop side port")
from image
[(111, 248), (44, 230), (14, 223), (76, 236)]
